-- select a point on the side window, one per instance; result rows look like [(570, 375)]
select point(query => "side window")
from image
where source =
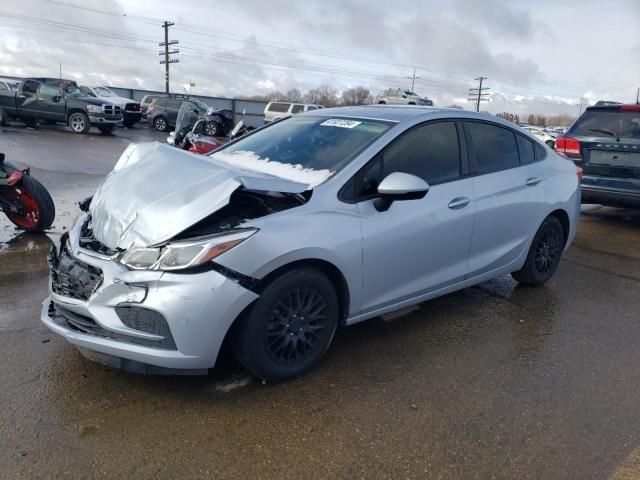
[(311, 107), (3, 86), (494, 147), (30, 87), (297, 108), (175, 104), (525, 147), (430, 151), (160, 102), (279, 107), (49, 91)]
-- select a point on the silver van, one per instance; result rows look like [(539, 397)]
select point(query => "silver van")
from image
[(276, 110)]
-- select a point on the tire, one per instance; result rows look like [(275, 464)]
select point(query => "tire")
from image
[(160, 124), (40, 210), (274, 340), (411, 103), (382, 103), (106, 129), (544, 254), (79, 123), (212, 129), (3, 117), (129, 124)]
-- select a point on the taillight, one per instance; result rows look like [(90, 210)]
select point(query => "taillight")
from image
[(630, 108), (149, 108), (569, 146), (580, 173)]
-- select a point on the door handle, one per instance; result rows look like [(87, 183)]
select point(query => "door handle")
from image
[(459, 202), (533, 181)]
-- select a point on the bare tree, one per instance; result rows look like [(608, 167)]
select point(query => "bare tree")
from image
[(323, 95), (294, 95), (355, 96)]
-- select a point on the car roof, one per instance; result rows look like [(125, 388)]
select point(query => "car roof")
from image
[(393, 113)]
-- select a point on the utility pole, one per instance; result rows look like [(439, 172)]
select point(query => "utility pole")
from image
[(479, 94), (413, 78), (60, 72), (167, 52), (638, 96)]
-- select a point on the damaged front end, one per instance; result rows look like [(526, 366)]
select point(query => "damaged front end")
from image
[(135, 285)]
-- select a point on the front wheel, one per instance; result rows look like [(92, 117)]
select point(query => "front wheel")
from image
[(106, 129), (79, 123), (212, 129), (544, 254), (289, 328), (36, 210)]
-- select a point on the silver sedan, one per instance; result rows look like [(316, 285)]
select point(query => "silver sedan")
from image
[(316, 221)]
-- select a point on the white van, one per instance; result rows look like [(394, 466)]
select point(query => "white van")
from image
[(276, 110)]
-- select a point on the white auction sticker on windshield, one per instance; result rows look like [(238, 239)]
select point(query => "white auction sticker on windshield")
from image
[(338, 122)]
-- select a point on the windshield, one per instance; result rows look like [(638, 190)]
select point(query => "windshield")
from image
[(410, 93), (200, 105), (307, 149), (104, 92), (593, 123)]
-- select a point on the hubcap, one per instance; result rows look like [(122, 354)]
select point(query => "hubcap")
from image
[(547, 251), (160, 125), (77, 123), (28, 214), (295, 325)]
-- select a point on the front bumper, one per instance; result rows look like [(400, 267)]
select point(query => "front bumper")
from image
[(105, 119), (131, 116), (198, 308)]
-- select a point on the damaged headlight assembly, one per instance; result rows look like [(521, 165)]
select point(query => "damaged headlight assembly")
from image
[(185, 254)]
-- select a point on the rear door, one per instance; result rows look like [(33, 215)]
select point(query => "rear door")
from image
[(509, 194), (27, 99)]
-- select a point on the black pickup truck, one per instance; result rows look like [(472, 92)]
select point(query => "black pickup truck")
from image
[(53, 100)]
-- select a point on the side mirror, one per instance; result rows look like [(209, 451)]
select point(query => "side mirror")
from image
[(404, 96), (399, 186), (57, 98)]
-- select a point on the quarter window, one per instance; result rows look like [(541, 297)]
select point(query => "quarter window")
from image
[(525, 147), (3, 86), (494, 147)]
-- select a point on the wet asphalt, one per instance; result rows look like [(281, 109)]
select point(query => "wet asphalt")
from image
[(495, 381)]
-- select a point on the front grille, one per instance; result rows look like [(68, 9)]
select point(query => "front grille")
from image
[(70, 277), (88, 242), (81, 323), (132, 107), (111, 109)]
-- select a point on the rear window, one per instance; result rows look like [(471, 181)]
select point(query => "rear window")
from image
[(622, 124), (279, 107)]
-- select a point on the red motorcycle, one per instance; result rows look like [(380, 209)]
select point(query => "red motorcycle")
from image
[(24, 200)]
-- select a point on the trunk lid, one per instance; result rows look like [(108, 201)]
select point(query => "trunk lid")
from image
[(155, 192)]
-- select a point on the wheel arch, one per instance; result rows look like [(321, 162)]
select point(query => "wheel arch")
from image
[(73, 110), (563, 216)]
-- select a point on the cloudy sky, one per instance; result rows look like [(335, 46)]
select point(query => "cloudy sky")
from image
[(540, 56)]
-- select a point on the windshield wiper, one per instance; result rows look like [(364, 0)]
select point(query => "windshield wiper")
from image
[(606, 132)]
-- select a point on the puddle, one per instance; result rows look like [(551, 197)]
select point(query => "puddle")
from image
[(24, 252)]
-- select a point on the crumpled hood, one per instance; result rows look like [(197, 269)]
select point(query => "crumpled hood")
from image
[(156, 191)]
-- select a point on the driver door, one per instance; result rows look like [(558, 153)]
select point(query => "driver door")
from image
[(416, 246), (51, 103)]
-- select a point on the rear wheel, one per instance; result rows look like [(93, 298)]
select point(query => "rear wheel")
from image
[(79, 122), (212, 129), (544, 254), (160, 124), (3, 117), (36, 209), (289, 328)]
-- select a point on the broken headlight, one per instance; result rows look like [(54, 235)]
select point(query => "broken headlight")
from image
[(184, 254)]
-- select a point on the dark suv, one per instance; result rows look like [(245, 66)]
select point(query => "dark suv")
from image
[(163, 111), (605, 142)]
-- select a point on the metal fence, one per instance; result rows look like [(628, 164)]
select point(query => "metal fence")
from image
[(254, 110)]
